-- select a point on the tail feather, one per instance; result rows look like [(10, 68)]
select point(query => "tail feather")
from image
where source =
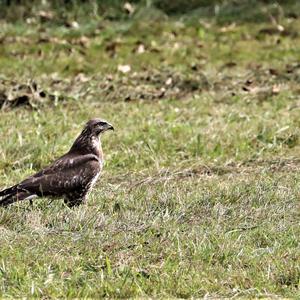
[(8, 191), (15, 196), (7, 200)]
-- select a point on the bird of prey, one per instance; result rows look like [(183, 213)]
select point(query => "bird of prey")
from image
[(71, 176)]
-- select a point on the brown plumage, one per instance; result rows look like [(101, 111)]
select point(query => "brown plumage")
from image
[(71, 176)]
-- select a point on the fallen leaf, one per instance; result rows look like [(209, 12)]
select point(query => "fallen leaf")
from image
[(72, 24), (230, 64), (129, 8), (280, 28), (140, 49), (275, 89), (124, 68), (273, 72), (111, 48), (45, 15), (169, 81), (82, 77), (229, 28)]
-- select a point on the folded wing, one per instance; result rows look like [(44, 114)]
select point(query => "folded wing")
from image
[(65, 176)]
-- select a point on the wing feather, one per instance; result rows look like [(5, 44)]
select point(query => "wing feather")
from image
[(63, 176)]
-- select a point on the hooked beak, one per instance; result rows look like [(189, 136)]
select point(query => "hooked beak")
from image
[(109, 127)]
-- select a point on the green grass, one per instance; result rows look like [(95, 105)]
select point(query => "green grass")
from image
[(200, 191)]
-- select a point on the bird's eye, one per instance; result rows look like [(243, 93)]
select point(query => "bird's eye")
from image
[(101, 124)]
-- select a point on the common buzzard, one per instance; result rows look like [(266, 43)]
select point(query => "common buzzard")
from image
[(71, 176)]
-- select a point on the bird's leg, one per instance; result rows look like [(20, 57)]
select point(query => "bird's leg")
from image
[(73, 202)]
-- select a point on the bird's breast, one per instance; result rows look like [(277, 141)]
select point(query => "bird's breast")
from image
[(93, 181)]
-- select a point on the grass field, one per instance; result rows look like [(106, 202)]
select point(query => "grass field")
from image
[(200, 191)]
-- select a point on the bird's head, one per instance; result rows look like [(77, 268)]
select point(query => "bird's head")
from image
[(88, 141), (97, 126)]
